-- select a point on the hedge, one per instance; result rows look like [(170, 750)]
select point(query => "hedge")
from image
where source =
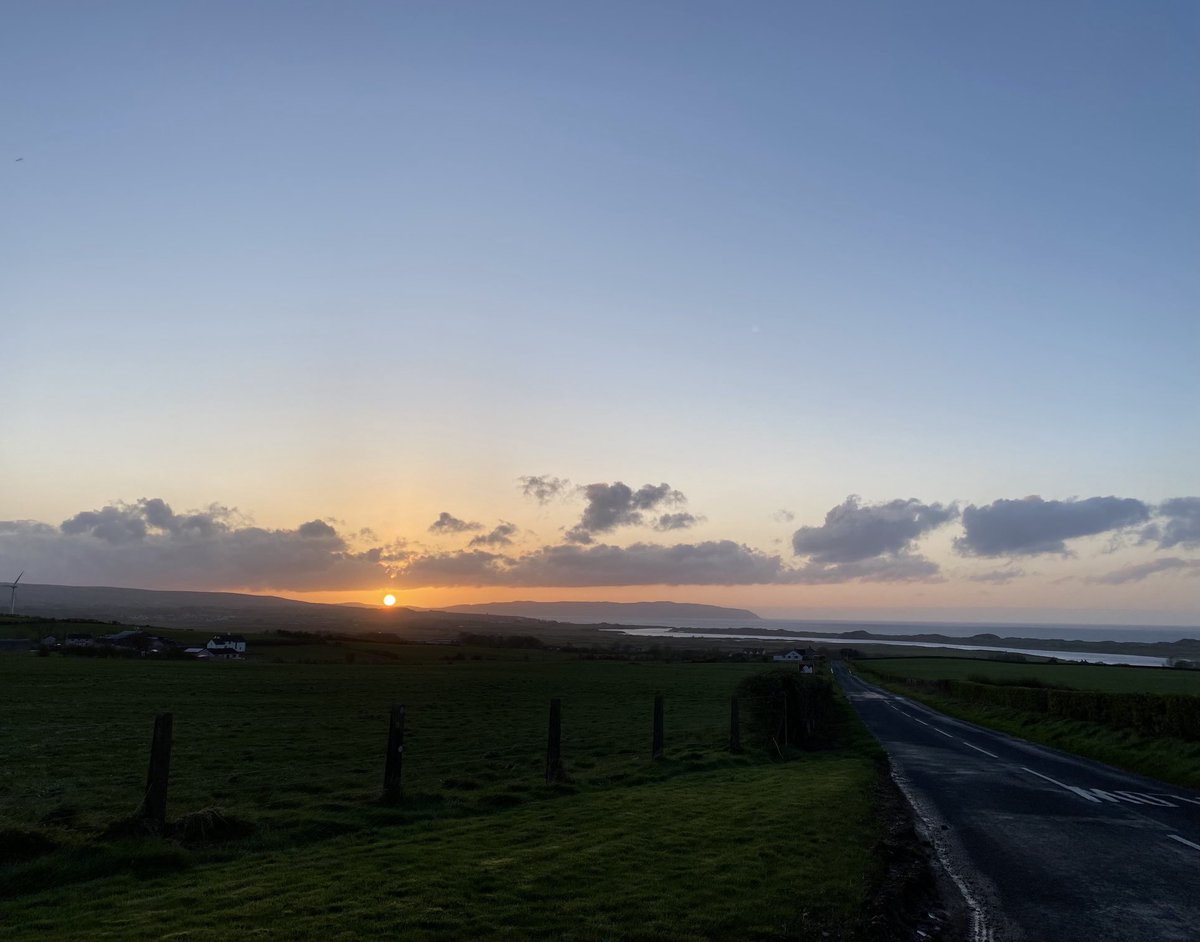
[(1158, 714)]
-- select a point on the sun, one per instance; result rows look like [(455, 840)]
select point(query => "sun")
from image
[(389, 600)]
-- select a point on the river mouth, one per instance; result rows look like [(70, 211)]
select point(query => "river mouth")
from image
[(1089, 657)]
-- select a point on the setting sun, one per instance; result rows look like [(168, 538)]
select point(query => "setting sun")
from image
[(389, 600)]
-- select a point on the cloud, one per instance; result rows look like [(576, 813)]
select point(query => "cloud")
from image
[(853, 532), (679, 521), (1140, 571), (783, 516), (902, 567), (543, 487), (716, 562), (720, 562), (147, 544), (1032, 526), (448, 523), (614, 505), (500, 536), (317, 529), (998, 576), (1182, 527), (129, 523)]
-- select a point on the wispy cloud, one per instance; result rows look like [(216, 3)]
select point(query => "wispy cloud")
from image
[(501, 535), (543, 487), (448, 523), (1140, 571), (1180, 526)]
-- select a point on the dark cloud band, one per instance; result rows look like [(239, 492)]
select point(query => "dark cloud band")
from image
[(1033, 526)]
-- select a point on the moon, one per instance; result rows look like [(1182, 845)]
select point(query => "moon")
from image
[(389, 600)]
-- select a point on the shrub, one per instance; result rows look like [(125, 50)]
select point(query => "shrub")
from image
[(785, 708)]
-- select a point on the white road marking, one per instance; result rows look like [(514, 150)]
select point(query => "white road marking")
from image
[(1194, 801), (1082, 792), (1183, 840), (1107, 796), (1098, 795), (943, 732), (1142, 798), (977, 749)]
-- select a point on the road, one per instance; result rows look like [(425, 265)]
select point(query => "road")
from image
[(1043, 845)]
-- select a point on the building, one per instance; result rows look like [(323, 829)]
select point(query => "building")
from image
[(234, 644)]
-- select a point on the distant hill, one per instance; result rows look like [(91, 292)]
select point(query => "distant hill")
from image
[(228, 610), (646, 613)]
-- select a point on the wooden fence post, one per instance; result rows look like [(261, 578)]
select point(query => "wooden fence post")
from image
[(656, 745), (554, 743), (735, 730), (395, 755), (154, 804)]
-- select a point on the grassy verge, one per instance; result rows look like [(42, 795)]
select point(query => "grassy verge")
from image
[(1109, 678), (1170, 760)]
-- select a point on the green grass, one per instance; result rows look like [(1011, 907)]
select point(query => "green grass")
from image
[(720, 855), (702, 845), (1167, 759), (1107, 677)]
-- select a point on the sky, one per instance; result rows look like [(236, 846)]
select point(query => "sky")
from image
[(810, 308)]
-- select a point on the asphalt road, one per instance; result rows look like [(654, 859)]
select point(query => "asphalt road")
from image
[(1043, 845)]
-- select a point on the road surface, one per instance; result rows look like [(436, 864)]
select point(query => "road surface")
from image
[(1043, 845)]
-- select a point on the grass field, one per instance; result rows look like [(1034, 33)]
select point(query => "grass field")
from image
[(704, 844), (1106, 677)]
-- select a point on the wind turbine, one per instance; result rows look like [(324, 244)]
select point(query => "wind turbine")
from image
[(12, 588)]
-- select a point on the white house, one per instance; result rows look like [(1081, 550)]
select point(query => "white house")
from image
[(235, 644), (792, 657)]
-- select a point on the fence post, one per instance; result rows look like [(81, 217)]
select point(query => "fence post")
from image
[(735, 730), (656, 745), (395, 755), (554, 743), (154, 804)]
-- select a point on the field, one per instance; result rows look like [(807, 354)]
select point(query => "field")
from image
[(288, 749), (1106, 677)]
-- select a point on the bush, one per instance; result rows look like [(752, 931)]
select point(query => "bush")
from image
[(785, 708)]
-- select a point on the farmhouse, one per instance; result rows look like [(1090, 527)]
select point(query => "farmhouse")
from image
[(79, 640), (230, 644), (805, 659)]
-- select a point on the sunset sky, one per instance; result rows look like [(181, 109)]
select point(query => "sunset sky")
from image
[(861, 309)]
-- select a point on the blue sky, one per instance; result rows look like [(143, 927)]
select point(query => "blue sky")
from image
[(369, 262)]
